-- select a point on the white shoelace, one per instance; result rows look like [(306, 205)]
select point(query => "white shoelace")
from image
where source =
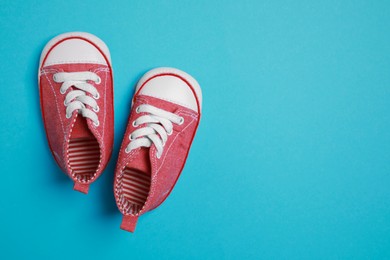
[(78, 99), (158, 127)]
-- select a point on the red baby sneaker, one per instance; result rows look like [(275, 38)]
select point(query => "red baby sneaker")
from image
[(76, 96), (162, 124)]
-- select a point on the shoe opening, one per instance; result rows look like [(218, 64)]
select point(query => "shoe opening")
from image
[(135, 188), (83, 152)]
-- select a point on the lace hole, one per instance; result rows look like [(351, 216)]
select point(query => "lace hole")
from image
[(134, 124), (96, 123), (68, 116), (55, 78), (62, 92), (181, 120), (131, 137), (138, 110), (98, 81), (127, 151), (97, 96), (96, 109), (65, 104)]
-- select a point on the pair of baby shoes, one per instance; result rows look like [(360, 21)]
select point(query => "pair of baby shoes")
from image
[(76, 95)]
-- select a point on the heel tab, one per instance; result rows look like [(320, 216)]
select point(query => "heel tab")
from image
[(81, 187), (129, 222)]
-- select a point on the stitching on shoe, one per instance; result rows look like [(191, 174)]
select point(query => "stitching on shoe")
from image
[(154, 160), (173, 141), (119, 182), (66, 150), (58, 110), (102, 152), (104, 69), (105, 103), (59, 114), (48, 71)]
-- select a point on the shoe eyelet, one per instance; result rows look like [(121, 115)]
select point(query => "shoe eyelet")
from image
[(96, 109), (127, 151), (134, 124), (97, 96), (96, 123), (137, 110), (181, 120), (65, 104), (131, 137), (55, 78), (68, 116), (98, 81), (62, 92)]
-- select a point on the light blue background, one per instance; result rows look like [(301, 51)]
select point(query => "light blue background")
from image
[(291, 159)]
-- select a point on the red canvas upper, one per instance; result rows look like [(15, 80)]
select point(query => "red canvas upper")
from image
[(164, 171), (59, 128)]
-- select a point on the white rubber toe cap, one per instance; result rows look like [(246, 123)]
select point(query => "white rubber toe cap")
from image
[(172, 85), (75, 47)]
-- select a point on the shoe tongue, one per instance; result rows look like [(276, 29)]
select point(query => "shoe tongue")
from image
[(141, 161), (80, 129)]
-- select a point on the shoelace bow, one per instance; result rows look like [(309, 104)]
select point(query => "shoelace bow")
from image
[(158, 127), (77, 99)]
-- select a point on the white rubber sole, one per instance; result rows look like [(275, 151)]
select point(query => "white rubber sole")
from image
[(90, 37), (180, 73)]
